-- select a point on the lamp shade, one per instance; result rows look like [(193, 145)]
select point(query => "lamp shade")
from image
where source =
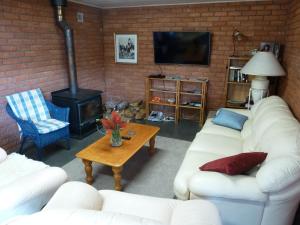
[(263, 64)]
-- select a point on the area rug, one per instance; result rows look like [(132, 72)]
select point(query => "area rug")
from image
[(142, 174)]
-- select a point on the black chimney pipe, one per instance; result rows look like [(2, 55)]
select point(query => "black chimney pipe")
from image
[(68, 32)]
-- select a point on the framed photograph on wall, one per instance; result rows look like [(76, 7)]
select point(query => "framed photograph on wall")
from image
[(126, 48), (271, 47)]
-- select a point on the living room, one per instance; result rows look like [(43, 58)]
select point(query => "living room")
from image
[(33, 56)]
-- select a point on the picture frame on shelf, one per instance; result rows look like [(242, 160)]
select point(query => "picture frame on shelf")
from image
[(126, 48)]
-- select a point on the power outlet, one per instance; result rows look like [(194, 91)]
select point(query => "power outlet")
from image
[(80, 17)]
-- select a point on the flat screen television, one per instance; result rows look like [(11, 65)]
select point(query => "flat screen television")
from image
[(182, 47)]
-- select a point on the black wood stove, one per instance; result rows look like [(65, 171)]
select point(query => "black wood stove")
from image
[(85, 107)]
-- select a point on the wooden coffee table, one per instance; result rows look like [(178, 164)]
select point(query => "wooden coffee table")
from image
[(102, 152)]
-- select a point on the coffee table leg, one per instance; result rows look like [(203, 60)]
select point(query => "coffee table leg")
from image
[(151, 146), (118, 177), (89, 171)]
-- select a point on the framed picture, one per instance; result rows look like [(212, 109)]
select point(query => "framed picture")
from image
[(271, 47), (126, 48)]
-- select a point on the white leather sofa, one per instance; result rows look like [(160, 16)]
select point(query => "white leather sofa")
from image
[(26, 185), (77, 203), (268, 195)]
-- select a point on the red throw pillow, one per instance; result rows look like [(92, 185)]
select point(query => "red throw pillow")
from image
[(236, 164)]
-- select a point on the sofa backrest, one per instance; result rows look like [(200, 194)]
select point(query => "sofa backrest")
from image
[(272, 128)]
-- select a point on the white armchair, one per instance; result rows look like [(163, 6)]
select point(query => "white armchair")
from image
[(26, 185)]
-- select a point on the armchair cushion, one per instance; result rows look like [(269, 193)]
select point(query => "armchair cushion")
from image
[(29, 105), (49, 125), (236, 164)]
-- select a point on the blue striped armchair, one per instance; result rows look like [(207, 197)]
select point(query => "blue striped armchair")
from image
[(39, 120)]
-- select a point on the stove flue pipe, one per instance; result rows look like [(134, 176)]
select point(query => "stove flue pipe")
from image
[(68, 32)]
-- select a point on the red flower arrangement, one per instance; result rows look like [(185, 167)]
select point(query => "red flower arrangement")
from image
[(113, 124)]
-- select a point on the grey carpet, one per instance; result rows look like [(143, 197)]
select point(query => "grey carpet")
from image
[(142, 174)]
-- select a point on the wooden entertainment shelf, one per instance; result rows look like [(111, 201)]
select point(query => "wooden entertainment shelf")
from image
[(179, 94)]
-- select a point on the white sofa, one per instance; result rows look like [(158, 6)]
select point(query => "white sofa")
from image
[(269, 194), (26, 185), (79, 203)]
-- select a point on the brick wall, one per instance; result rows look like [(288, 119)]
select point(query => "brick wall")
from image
[(290, 84), (32, 53), (259, 21)]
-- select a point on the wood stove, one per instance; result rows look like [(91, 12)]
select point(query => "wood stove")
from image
[(85, 108)]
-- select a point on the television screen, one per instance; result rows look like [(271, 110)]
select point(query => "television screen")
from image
[(182, 47)]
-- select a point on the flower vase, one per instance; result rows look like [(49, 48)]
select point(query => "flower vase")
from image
[(116, 139)]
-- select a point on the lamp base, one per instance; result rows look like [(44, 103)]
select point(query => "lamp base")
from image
[(259, 88)]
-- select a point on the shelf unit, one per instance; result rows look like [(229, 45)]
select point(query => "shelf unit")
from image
[(237, 85), (176, 89)]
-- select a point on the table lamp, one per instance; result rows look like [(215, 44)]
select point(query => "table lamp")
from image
[(262, 65)]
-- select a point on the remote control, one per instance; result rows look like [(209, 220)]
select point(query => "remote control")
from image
[(126, 137)]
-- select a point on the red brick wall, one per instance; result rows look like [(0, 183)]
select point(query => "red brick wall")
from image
[(290, 84), (32, 53), (32, 47), (259, 21)]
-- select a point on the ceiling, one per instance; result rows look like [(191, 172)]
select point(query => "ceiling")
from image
[(135, 3)]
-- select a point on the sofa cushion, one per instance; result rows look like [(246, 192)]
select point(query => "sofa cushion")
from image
[(237, 164), (3, 155), (211, 128), (219, 185), (216, 144), (278, 173), (230, 119), (188, 168)]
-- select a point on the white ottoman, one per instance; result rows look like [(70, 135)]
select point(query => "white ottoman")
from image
[(79, 203)]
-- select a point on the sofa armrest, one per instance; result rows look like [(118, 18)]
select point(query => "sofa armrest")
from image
[(3, 154), (213, 184), (31, 187), (278, 173), (75, 195), (195, 212)]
